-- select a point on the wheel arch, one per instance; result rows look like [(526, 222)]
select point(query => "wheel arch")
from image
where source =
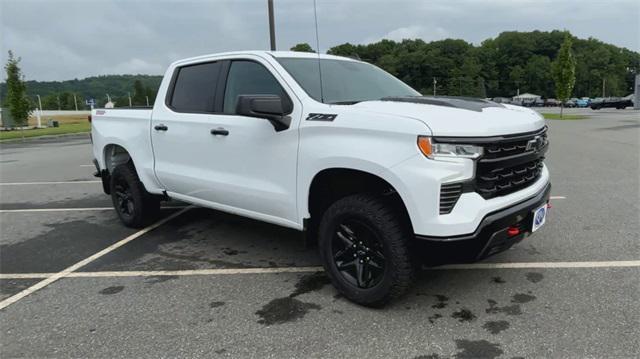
[(330, 184)]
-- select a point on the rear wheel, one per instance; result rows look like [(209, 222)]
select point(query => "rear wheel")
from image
[(364, 248), (133, 204)]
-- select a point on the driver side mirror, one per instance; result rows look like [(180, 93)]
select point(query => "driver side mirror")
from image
[(270, 107)]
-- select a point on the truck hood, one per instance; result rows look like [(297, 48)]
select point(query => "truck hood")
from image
[(459, 117)]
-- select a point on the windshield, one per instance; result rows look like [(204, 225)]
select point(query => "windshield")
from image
[(344, 82)]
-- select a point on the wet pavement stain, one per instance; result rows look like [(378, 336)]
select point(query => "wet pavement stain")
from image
[(159, 279), (310, 283), (232, 252), (283, 310), (221, 351), (534, 277), (216, 304), (498, 280), (463, 315), (112, 290), (428, 356), (442, 301), (433, 318), (473, 349), (522, 298), (508, 310), (58, 246), (495, 327)]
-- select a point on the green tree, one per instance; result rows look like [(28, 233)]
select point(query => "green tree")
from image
[(564, 72), (303, 47), (139, 93), (16, 100)]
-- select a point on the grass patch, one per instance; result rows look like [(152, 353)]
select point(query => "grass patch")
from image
[(64, 128), (556, 116)]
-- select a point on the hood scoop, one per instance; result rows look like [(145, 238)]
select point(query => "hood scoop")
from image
[(463, 103)]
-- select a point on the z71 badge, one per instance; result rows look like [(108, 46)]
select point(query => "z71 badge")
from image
[(321, 117)]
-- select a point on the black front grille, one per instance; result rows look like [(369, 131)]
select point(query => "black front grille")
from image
[(449, 195), (510, 164)]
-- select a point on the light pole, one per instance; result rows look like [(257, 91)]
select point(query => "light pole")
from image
[(272, 29), (75, 102), (434, 86), (147, 97), (39, 114), (129, 95)]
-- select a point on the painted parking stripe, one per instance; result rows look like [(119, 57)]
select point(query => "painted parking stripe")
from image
[(46, 183), (65, 272), (31, 210), (272, 270), (558, 197)]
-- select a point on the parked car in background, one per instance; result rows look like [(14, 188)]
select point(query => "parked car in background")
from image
[(611, 102), (582, 102), (551, 102), (570, 103)]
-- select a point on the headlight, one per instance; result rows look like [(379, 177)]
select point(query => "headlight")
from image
[(434, 149)]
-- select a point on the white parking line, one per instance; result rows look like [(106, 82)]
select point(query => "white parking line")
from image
[(46, 183), (87, 166), (558, 197), (65, 272), (31, 210), (270, 270)]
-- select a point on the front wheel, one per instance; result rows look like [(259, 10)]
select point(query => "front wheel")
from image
[(364, 247), (133, 204)]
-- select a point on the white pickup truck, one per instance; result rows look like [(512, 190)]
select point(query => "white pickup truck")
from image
[(335, 147)]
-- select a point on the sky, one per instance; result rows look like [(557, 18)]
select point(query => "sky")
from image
[(67, 39)]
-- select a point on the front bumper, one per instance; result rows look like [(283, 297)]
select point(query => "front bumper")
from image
[(491, 235)]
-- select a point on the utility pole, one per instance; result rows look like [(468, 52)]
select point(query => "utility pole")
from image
[(147, 97), (604, 82), (272, 29), (434, 86), (129, 95), (75, 102)]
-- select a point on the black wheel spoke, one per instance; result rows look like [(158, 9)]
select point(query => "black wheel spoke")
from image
[(358, 253), (343, 254), (347, 265), (360, 274), (345, 234)]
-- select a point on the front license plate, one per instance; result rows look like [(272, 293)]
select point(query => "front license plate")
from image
[(539, 217)]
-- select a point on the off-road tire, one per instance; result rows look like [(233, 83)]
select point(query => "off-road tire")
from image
[(394, 234), (142, 207)]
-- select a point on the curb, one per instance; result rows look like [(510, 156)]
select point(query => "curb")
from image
[(47, 137)]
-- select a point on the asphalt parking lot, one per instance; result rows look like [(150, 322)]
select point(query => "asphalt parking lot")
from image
[(204, 283)]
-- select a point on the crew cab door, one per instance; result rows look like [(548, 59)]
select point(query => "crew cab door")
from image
[(210, 155)]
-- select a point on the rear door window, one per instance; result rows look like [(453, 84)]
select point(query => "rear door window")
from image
[(195, 87)]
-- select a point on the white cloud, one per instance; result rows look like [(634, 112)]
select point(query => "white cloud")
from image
[(65, 39)]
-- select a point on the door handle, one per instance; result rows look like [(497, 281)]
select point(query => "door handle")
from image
[(160, 127), (219, 132)]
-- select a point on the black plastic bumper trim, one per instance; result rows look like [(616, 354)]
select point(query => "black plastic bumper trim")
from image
[(498, 220)]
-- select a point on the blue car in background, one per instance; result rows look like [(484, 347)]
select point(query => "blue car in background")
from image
[(582, 102)]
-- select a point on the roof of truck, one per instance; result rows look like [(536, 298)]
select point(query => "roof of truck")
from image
[(276, 54)]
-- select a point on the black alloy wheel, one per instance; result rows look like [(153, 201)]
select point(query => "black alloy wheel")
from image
[(125, 204), (358, 254)]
